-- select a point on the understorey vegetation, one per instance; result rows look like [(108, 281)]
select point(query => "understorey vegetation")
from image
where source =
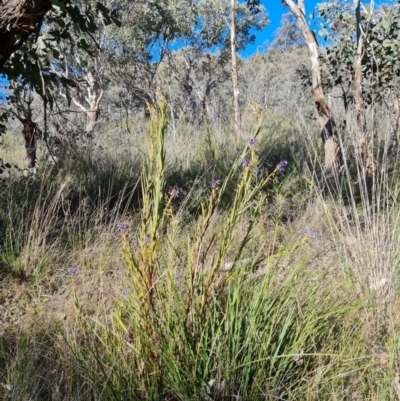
[(176, 225)]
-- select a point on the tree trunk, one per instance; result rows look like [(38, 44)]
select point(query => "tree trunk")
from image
[(397, 108), (30, 129), (31, 133), (364, 144), (18, 20), (93, 99), (92, 116), (324, 113), (235, 80)]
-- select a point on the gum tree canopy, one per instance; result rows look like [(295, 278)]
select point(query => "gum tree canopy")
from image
[(19, 19), (23, 51), (50, 46), (22, 20), (27, 56)]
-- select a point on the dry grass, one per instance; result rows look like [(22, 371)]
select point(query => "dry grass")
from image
[(343, 278), (12, 149)]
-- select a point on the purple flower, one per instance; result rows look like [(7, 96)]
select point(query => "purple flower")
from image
[(313, 234), (177, 275), (174, 191), (256, 171), (215, 183), (72, 271), (282, 166), (252, 142), (121, 227), (245, 163)]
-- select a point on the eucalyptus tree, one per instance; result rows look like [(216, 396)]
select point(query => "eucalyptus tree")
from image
[(363, 143), (235, 79), (31, 38), (146, 32), (380, 64), (327, 126), (122, 57), (20, 20), (367, 69), (83, 62), (288, 35), (200, 64)]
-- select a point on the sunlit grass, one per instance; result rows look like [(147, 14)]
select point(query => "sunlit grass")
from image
[(12, 149), (200, 272)]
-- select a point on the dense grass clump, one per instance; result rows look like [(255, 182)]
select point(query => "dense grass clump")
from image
[(228, 271)]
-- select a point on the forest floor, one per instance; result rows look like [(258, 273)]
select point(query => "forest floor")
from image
[(183, 262)]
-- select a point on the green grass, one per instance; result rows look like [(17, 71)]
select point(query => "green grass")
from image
[(216, 294)]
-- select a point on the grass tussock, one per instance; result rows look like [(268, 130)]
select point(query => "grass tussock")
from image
[(224, 272)]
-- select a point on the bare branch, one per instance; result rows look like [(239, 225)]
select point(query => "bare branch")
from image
[(84, 110)]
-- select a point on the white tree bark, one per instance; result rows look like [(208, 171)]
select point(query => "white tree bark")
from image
[(93, 100), (324, 112), (364, 144), (235, 80)]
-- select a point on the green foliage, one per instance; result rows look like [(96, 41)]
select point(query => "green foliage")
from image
[(212, 30), (214, 292), (381, 41), (201, 65), (33, 65), (140, 45), (66, 23), (233, 299), (204, 327), (288, 35)]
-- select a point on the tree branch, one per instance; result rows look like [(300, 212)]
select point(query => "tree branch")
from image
[(18, 20), (84, 110)]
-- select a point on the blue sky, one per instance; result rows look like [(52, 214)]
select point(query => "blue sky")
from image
[(2, 83), (275, 10)]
